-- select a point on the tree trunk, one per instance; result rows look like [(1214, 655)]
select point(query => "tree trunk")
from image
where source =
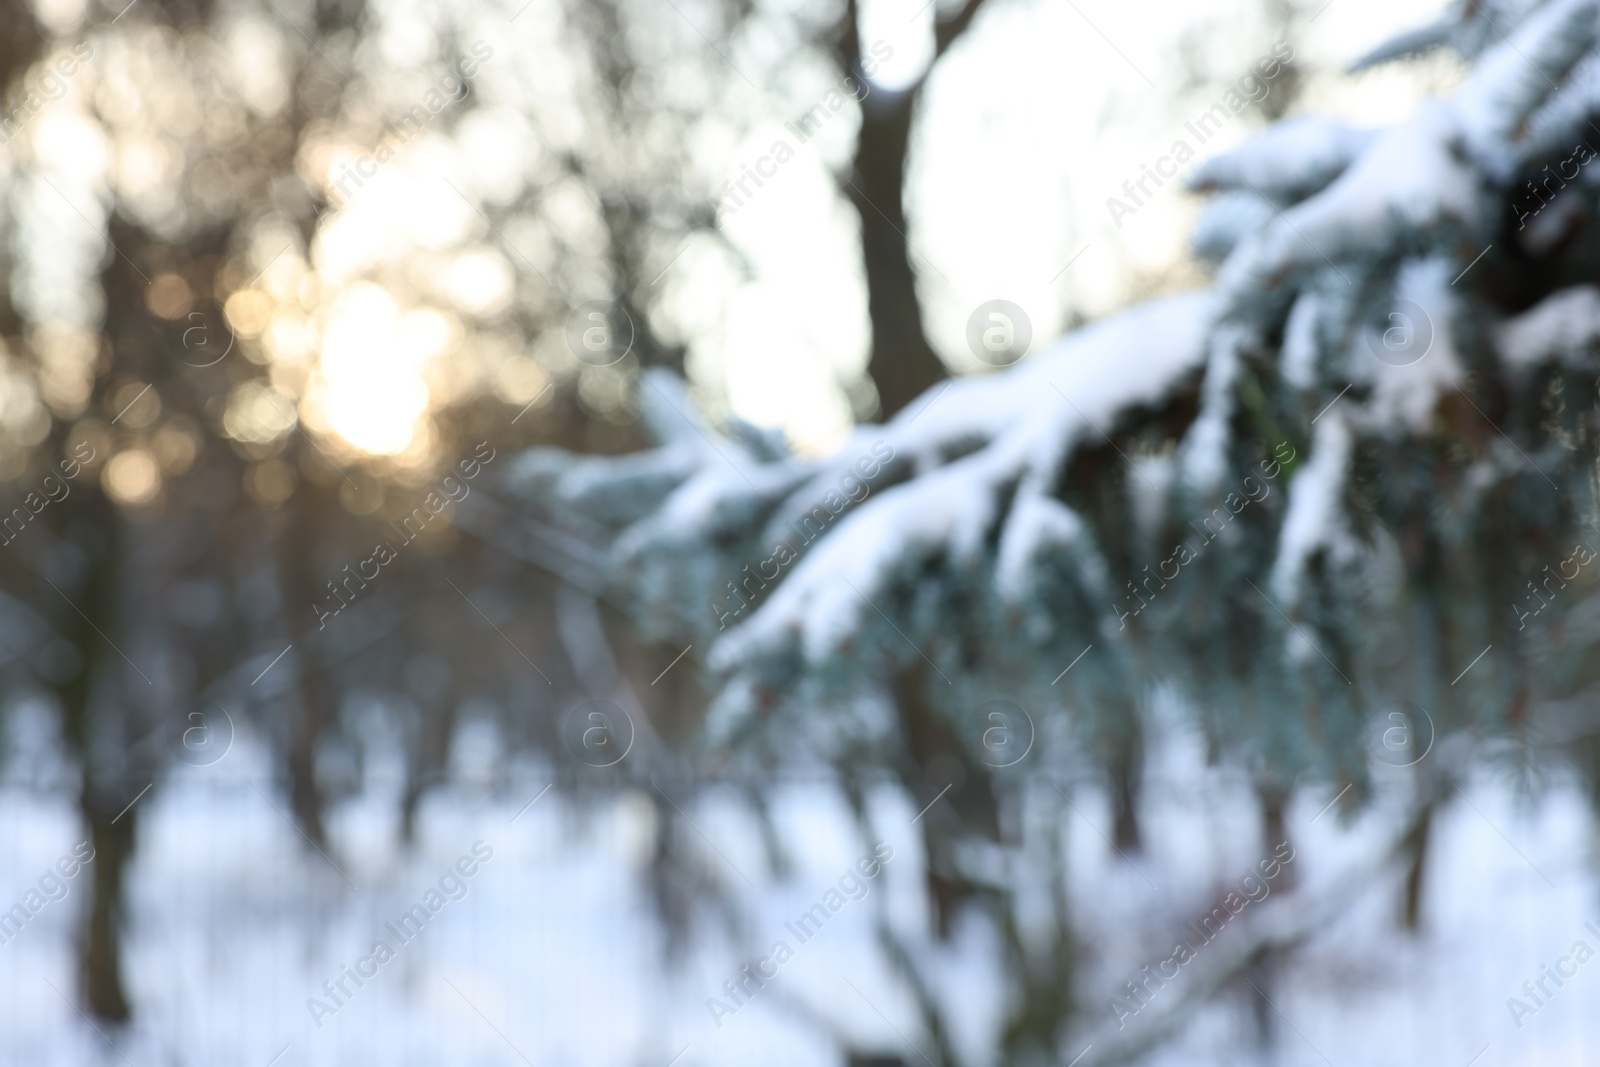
[(902, 364), (425, 763), (313, 712), (1416, 847), (1275, 828), (103, 792), (938, 765), (1127, 779), (100, 947)]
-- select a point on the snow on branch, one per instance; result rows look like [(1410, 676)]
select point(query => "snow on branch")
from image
[(1070, 393), (1564, 328), (1366, 309)]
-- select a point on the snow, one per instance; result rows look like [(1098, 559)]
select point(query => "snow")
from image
[(1204, 455), (1038, 528), (1288, 161), (607, 488), (1410, 181), (553, 954), (1467, 26), (1407, 43), (1406, 392), (1561, 328), (1032, 419), (1418, 178), (1315, 518), (1510, 81), (1299, 364), (1225, 221)]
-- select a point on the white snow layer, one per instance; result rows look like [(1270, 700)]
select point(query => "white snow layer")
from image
[(1563, 327), (1287, 161), (1032, 418), (1315, 518)]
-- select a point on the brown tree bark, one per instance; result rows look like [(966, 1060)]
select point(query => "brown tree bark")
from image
[(902, 364)]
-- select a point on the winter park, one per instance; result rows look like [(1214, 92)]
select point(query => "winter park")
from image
[(855, 533)]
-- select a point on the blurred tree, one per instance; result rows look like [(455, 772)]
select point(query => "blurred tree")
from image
[(1356, 469), (220, 316), (902, 363), (244, 243), (178, 537)]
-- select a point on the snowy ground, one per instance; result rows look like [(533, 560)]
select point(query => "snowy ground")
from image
[(551, 956)]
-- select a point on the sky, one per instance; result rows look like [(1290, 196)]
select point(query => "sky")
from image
[(1034, 119), (398, 305)]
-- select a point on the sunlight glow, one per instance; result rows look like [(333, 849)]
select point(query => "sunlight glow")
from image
[(369, 386)]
